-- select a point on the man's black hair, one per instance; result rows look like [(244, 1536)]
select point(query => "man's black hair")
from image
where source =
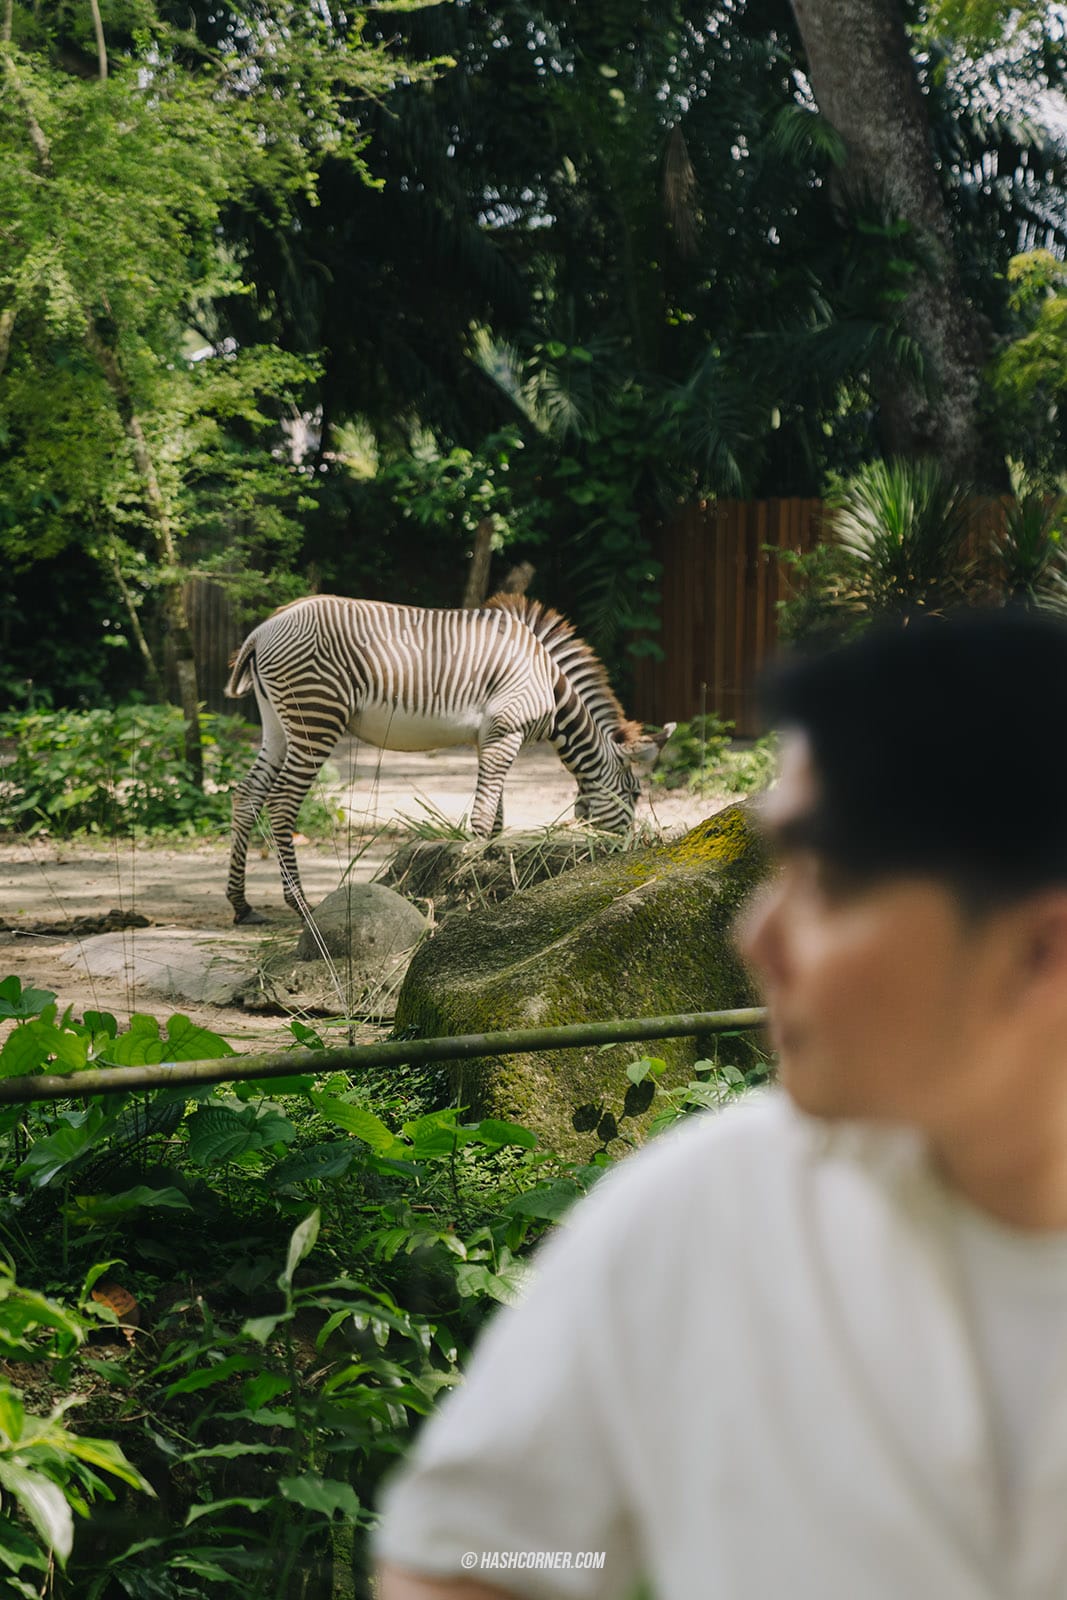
[(940, 749)]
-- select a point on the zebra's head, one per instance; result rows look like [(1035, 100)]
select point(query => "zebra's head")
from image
[(608, 799)]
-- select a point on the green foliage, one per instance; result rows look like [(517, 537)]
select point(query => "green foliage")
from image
[(1030, 553), (120, 771), (1029, 374), (898, 549), (736, 1065), (701, 755), (902, 523), (317, 1267), (302, 1276), (48, 1473), (115, 772)]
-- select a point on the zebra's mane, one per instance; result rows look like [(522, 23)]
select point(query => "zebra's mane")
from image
[(576, 660)]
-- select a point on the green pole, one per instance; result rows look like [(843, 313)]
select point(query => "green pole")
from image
[(392, 1052)]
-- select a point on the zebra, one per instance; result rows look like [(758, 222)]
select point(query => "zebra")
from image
[(411, 678)]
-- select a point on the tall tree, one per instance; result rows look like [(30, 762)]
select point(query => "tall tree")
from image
[(861, 70)]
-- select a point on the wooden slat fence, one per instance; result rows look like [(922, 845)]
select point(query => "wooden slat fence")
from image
[(216, 636), (722, 581), (721, 586)]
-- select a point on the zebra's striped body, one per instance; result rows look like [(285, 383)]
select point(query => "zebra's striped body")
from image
[(407, 678)]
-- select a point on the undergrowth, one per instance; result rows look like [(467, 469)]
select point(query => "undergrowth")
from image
[(703, 755), (121, 771), (224, 1310)]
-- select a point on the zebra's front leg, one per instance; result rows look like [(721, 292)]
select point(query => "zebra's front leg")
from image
[(495, 756), (248, 800)]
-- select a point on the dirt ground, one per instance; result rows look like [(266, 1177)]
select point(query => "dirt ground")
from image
[(44, 885)]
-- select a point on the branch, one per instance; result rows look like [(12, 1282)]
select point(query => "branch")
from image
[(33, 127), (7, 328), (98, 29)]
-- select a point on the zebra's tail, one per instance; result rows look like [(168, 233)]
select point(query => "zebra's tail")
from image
[(240, 679)]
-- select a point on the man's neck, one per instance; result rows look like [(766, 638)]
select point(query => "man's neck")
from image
[(1021, 1180)]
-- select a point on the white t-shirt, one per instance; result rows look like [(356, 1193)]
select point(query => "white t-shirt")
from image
[(1016, 1288), (745, 1371)]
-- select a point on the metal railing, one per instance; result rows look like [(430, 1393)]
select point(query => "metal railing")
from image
[(391, 1052)]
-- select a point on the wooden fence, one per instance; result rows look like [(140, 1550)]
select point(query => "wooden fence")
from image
[(216, 638), (722, 581)]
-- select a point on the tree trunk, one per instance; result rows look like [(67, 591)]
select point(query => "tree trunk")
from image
[(101, 47), (177, 623), (478, 572), (865, 83), (152, 672), (518, 579)]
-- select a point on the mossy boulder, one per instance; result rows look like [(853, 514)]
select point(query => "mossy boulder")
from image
[(644, 933)]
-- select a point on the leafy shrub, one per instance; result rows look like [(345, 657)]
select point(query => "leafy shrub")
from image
[(120, 771), (268, 1404), (701, 755)]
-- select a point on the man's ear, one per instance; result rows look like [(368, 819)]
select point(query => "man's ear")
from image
[(1044, 937)]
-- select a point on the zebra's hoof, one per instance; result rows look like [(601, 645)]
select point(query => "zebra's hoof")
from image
[(247, 916)]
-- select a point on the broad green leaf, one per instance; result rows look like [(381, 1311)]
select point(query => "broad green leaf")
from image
[(240, 1502), (301, 1244), (261, 1328), (44, 1503), (75, 1134), (548, 1201), (317, 1162), (259, 1391), (93, 1208), (360, 1122), (234, 1451), (139, 1046), (326, 1495), (495, 1134), (28, 1047), (505, 1286), (188, 1042), (206, 1377), (15, 1001), (106, 1455), (12, 1412), (218, 1133), (646, 1067)]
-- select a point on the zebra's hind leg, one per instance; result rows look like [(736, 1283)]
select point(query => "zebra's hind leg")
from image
[(248, 800), (300, 768)]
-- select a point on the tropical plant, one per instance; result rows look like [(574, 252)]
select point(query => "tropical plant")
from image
[(902, 525), (701, 755), (1030, 552)]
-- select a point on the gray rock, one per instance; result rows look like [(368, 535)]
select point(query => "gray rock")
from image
[(175, 963), (351, 961)]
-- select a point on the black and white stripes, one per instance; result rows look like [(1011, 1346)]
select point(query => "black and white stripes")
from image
[(407, 678)]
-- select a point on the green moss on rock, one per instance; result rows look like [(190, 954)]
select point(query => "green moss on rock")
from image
[(640, 934)]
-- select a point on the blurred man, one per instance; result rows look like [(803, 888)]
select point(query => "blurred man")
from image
[(815, 1346)]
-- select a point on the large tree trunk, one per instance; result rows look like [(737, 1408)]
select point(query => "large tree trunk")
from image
[(864, 80), (477, 585)]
